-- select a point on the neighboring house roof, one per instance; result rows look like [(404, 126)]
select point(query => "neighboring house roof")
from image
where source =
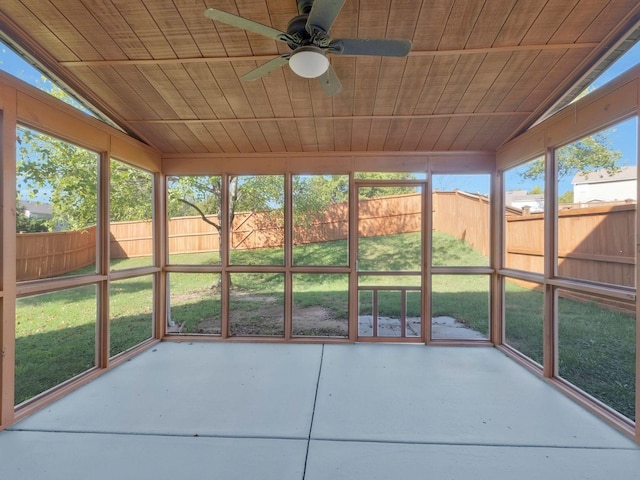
[(36, 208), (521, 196), (602, 176)]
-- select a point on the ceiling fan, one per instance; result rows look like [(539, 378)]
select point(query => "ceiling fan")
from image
[(308, 37)]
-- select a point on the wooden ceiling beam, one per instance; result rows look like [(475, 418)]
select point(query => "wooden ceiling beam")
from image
[(333, 117), (257, 58)]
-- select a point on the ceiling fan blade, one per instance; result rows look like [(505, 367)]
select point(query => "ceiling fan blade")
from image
[(322, 15), (330, 82), (266, 68), (376, 46), (246, 24)]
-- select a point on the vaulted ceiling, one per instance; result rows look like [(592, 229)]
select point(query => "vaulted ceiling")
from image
[(479, 71)]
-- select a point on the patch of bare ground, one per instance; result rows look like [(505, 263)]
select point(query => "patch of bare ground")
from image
[(209, 326), (186, 296), (318, 321), (268, 319)]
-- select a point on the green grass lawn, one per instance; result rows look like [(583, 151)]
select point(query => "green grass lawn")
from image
[(55, 339), (597, 352), (56, 331), (596, 345)]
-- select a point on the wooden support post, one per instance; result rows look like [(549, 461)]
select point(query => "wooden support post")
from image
[(288, 257), (496, 253), (225, 243), (550, 322), (403, 312), (374, 312), (103, 262), (353, 259), (427, 255), (8, 255), (160, 247)]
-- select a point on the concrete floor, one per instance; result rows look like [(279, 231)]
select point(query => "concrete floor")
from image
[(313, 412)]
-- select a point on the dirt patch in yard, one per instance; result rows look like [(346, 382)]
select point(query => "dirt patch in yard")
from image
[(209, 326), (307, 321), (263, 315), (318, 321)]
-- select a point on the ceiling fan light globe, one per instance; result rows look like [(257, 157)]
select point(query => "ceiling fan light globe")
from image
[(309, 62)]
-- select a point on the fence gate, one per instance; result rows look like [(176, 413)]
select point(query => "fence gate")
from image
[(390, 259)]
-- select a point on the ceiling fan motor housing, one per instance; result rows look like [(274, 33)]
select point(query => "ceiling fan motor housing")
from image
[(297, 29), (304, 6)]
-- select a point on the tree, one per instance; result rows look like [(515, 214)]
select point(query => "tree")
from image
[(203, 195), (566, 197), (61, 174), (28, 224), (265, 193), (66, 176), (591, 153), (536, 190), (129, 183), (313, 194)]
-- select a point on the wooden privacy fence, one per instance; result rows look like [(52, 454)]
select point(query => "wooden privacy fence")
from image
[(595, 243), (42, 255), (379, 216), (250, 230), (464, 216), (131, 239), (389, 215), (460, 214)]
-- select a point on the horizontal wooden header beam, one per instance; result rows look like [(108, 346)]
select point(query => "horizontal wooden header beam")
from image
[(328, 163), (255, 58), (329, 117)]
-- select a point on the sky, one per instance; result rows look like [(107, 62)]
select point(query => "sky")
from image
[(623, 137), (16, 66)]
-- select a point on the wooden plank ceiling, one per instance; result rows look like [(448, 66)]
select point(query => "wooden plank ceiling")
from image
[(479, 70)]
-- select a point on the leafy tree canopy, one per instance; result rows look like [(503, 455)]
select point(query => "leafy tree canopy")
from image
[(66, 177), (25, 224), (566, 197), (591, 153), (131, 193), (60, 174), (201, 195)]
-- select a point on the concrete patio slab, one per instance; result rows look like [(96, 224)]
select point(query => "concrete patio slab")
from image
[(69, 456), (247, 390), (383, 461), (314, 412), (454, 395)]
